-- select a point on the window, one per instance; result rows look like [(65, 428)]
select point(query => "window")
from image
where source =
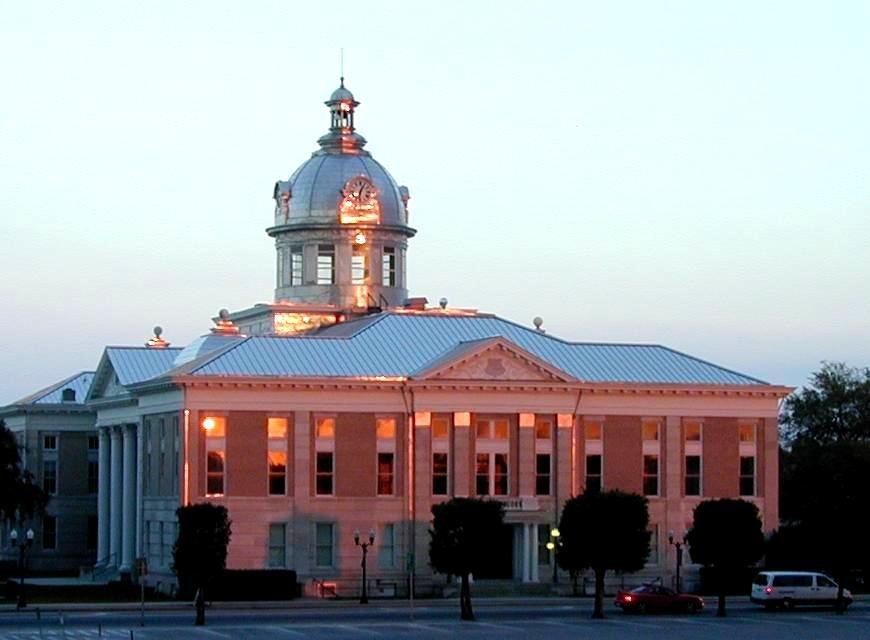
[(49, 476), (277, 545), (653, 557), (92, 533), (747, 432), (440, 427), (215, 443), (93, 476), (68, 395), (492, 429), (359, 271), (49, 443), (593, 473), (176, 449), (693, 432), (543, 429), (49, 533), (324, 472), (325, 264), (650, 475), (161, 468), (439, 474), (593, 430), (385, 474), (93, 443), (389, 267), (276, 430), (492, 474), (693, 475), (385, 428), (650, 431), (295, 265), (747, 475), (542, 474), (387, 547), (324, 467), (324, 535)]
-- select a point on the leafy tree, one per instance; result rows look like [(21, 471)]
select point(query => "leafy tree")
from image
[(603, 531), (20, 498), (200, 552), (826, 433), (461, 541), (725, 535)]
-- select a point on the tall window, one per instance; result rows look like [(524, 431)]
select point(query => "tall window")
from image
[(386, 436), (49, 443), (277, 545), (545, 556), (161, 468), (324, 469), (650, 475), (215, 447), (49, 476), (276, 429), (324, 539), (325, 264), (176, 449), (650, 431), (359, 270), (440, 425), (439, 474), (389, 267), (492, 456), (653, 557), (93, 476), (747, 432), (295, 265), (542, 474), (747, 475), (49, 533), (593, 473), (693, 475), (387, 547)]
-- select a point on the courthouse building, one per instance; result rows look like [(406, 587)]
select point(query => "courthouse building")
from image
[(347, 406)]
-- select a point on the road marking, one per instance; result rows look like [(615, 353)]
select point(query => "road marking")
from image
[(285, 630), (492, 625), (213, 632), (354, 628)]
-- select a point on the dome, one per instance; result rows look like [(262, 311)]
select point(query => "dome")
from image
[(317, 186), (341, 94)]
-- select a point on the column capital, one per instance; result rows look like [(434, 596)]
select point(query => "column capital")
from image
[(115, 431)]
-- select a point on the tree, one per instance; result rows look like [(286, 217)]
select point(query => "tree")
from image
[(200, 552), (826, 434), (603, 531), (725, 536), (20, 498), (461, 537)]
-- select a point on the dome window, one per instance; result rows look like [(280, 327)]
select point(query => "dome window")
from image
[(68, 395)]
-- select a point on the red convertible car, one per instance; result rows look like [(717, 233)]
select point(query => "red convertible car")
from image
[(650, 597)]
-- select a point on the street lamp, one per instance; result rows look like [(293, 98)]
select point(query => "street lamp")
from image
[(364, 598), (551, 546), (23, 548), (678, 545)]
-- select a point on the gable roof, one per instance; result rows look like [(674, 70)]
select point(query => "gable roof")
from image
[(131, 365), (401, 343), (53, 394)]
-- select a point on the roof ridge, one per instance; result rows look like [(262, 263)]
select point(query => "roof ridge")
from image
[(714, 365), (142, 348), (211, 356)]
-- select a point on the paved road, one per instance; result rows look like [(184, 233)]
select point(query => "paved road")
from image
[(550, 619)]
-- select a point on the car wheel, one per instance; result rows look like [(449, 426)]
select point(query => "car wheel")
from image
[(641, 608), (788, 604), (692, 607)]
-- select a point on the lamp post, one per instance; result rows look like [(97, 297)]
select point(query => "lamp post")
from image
[(23, 548), (364, 598), (678, 545), (552, 545)]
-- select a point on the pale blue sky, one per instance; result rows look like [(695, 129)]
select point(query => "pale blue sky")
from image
[(686, 173)]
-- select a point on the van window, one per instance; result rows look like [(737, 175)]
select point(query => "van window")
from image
[(793, 581), (822, 581), (760, 580)]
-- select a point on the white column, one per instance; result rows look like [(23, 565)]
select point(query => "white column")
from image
[(128, 531), (526, 553), (534, 546), (140, 486), (115, 485), (103, 497)]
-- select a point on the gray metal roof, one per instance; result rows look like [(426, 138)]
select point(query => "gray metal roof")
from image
[(400, 344), (80, 383), (136, 364)]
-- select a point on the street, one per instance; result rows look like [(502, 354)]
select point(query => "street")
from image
[(546, 618)]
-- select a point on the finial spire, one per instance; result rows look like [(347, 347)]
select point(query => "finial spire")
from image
[(342, 68)]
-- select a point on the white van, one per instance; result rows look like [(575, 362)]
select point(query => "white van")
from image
[(791, 588)]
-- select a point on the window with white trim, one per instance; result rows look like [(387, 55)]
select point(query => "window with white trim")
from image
[(325, 264), (324, 460), (387, 547), (277, 545), (491, 469), (276, 431), (388, 277), (386, 455), (324, 544), (440, 426), (215, 452)]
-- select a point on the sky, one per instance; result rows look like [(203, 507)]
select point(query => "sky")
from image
[(683, 173)]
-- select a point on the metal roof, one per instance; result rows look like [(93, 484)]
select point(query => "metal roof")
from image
[(80, 383), (136, 364), (400, 344)]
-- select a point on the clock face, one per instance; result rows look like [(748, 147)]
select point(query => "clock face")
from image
[(359, 202)]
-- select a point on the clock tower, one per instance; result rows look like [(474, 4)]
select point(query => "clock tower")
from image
[(341, 223)]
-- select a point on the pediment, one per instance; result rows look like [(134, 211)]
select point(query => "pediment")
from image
[(495, 359), (106, 384)]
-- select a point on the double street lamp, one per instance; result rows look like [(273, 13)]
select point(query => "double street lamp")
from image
[(23, 547), (678, 545), (364, 598), (552, 545)]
